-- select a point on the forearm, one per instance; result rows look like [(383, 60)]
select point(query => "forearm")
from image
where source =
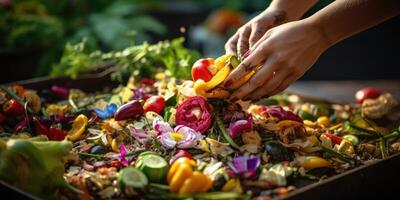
[(344, 18), (291, 9)]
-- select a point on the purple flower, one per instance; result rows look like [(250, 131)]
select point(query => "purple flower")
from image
[(122, 155), (140, 134), (139, 93), (244, 165)]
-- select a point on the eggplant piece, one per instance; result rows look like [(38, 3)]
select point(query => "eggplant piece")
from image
[(277, 152)]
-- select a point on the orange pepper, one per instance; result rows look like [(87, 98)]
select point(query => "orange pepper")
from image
[(183, 180), (183, 172), (175, 166), (197, 182)]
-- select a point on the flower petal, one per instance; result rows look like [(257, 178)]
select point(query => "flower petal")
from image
[(161, 127)]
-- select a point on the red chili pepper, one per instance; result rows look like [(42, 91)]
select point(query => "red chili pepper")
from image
[(40, 129), (56, 132), (180, 153), (2, 118), (13, 108), (334, 138)]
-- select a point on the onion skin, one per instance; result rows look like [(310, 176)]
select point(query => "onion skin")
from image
[(240, 126)]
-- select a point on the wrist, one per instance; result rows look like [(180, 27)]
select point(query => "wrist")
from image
[(317, 27)]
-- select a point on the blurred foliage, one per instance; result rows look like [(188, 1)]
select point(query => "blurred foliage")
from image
[(107, 25), (28, 25), (139, 60)]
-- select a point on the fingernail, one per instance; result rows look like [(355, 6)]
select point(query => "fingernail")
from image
[(228, 83), (248, 52)]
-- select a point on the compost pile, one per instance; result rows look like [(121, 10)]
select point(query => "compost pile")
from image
[(168, 138)]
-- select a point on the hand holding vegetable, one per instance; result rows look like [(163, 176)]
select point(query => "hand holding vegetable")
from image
[(288, 59)]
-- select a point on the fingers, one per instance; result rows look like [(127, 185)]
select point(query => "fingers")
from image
[(258, 80), (243, 41), (269, 86), (249, 63), (285, 84), (230, 46), (257, 31)]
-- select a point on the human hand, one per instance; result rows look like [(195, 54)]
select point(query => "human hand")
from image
[(247, 35), (285, 53)]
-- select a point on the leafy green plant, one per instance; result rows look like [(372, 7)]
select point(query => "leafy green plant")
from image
[(143, 60)]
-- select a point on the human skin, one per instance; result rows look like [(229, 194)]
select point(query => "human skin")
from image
[(285, 52), (278, 12)]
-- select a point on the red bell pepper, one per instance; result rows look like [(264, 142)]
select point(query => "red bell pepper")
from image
[(200, 70), (40, 129), (13, 108), (56, 132), (334, 138)]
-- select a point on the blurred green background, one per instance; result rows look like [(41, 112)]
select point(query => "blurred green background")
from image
[(34, 33)]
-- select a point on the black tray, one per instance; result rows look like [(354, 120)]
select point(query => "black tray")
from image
[(373, 180)]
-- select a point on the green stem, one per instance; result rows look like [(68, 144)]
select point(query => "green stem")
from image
[(90, 155), (338, 155), (225, 134), (383, 144), (72, 188), (135, 152)]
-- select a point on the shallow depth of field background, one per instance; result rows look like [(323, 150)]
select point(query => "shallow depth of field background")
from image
[(34, 32)]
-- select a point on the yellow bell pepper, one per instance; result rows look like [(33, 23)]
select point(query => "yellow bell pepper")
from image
[(200, 89), (241, 81), (78, 128), (312, 162), (206, 89), (220, 62), (175, 166), (183, 180), (197, 182), (233, 185)]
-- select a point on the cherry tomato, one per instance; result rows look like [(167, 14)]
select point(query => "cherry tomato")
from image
[(367, 93), (334, 138), (155, 104), (200, 70)]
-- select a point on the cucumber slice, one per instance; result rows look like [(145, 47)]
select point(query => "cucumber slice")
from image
[(154, 166), (131, 177), (141, 155)]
